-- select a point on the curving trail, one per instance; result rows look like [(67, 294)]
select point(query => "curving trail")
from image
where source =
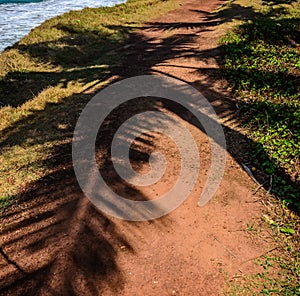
[(58, 244)]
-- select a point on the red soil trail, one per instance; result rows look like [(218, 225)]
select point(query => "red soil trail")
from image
[(56, 243)]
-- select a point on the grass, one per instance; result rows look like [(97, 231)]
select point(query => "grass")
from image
[(44, 78), (279, 276), (265, 73), (280, 267), (262, 65)]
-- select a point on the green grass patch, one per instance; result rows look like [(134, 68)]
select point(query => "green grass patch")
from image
[(262, 64), (280, 277), (280, 266)]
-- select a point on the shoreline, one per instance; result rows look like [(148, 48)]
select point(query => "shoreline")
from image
[(20, 18)]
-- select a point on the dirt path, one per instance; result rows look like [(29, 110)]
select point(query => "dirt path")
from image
[(58, 244)]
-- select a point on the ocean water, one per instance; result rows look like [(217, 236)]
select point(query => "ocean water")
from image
[(18, 17)]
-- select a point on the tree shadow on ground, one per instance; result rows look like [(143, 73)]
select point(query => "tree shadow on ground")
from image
[(53, 239), (51, 216), (177, 45), (82, 56)]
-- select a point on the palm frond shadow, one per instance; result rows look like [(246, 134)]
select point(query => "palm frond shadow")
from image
[(79, 244)]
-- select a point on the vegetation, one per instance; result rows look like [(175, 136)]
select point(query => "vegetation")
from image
[(262, 64), (280, 270)]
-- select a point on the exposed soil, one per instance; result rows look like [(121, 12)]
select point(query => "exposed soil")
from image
[(54, 242)]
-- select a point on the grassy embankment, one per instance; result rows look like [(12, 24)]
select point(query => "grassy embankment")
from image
[(262, 64), (43, 79)]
